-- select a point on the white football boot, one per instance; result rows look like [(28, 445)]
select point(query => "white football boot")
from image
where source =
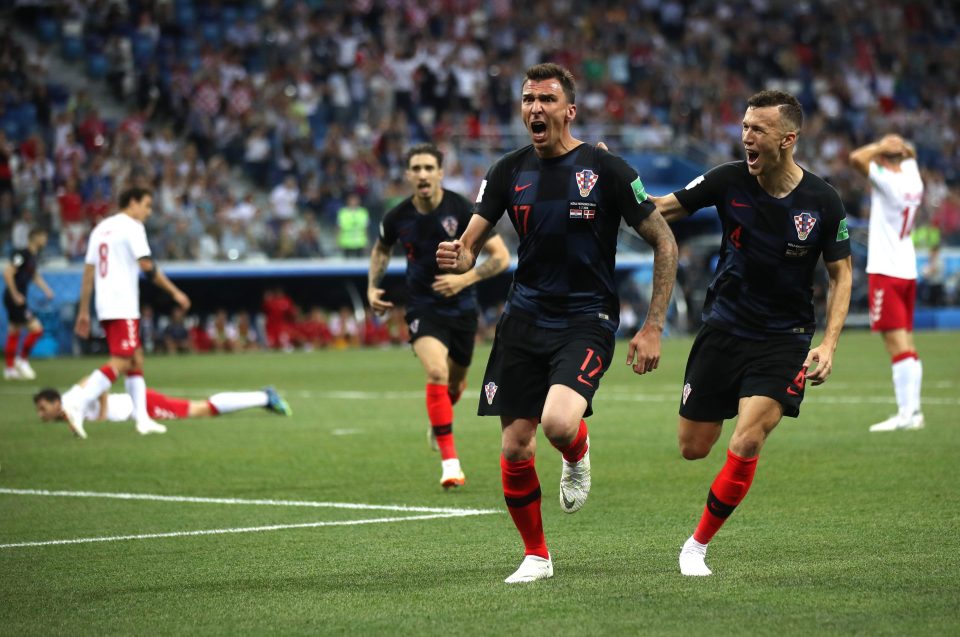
[(575, 482), (692, 559), (12, 373), (899, 423), (148, 427), (532, 568), (26, 372), (452, 475)]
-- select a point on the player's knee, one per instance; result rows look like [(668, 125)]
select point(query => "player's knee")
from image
[(694, 450), (746, 445), (558, 430), (437, 375)]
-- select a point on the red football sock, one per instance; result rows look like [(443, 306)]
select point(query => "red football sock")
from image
[(440, 412), (578, 446), (521, 490), (30, 341), (11, 351), (727, 491)]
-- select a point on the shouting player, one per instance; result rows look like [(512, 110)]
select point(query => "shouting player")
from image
[(119, 407), (441, 308), (116, 254), (896, 191), (565, 199), (18, 275), (752, 357)]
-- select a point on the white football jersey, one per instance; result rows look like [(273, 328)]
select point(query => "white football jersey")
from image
[(114, 250), (894, 200), (119, 406)]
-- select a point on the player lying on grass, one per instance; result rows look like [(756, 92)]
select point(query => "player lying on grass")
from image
[(119, 407)]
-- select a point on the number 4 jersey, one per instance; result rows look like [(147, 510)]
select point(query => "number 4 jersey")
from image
[(115, 248), (894, 200)]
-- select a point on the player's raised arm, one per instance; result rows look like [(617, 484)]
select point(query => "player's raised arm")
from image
[(644, 351), (379, 260), (160, 280), (460, 255)]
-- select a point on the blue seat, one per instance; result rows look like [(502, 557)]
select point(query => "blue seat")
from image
[(71, 47), (211, 33), (97, 66), (47, 29), (143, 49)]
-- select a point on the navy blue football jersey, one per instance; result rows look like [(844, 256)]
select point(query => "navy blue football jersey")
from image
[(419, 235), (566, 211), (770, 248), (25, 265)]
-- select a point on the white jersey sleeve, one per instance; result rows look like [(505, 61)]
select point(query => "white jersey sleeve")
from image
[(91, 411), (115, 247), (894, 200)]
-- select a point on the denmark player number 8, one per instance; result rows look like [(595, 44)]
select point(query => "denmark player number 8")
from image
[(102, 251)]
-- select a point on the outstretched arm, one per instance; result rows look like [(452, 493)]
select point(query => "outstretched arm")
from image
[(669, 207), (161, 281), (644, 352), (838, 303), (82, 326)]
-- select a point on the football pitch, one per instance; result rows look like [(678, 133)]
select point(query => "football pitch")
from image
[(333, 521)]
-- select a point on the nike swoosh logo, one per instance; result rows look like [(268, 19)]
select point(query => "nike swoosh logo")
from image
[(585, 382), (569, 504), (519, 188), (791, 391), (737, 204)]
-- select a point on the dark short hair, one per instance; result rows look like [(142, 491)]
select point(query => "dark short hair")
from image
[(35, 231), (135, 193), (551, 71), (48, 394), (791, 113), (426, 148)]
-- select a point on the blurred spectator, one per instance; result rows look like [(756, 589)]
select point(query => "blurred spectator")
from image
[(352, 222), (148, 329), (222, 333), (176, 334), (247, 338), (279, 312), (933, 279), (345, 329), (314, 332), (73, 223)]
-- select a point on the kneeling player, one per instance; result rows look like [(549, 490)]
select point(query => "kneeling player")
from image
[(119, 407)]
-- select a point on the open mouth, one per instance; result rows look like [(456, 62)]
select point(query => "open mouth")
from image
[(423, 187), (752, 157), (538, 129)]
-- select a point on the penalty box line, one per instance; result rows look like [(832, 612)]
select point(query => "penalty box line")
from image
[(427, 513)]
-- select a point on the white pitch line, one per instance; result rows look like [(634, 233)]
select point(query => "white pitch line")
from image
[(250, 529), (242, 501)]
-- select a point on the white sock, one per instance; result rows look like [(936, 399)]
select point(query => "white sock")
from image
[(916, 382), (96, 384), (902, 376), (137, 388), (228, 401)]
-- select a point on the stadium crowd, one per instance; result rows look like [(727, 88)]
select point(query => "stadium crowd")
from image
[(255, 122)]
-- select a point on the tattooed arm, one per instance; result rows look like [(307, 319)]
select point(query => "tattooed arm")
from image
[(379, 259), (645, 345)]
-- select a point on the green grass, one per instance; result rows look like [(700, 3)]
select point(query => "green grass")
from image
[(844, 532)]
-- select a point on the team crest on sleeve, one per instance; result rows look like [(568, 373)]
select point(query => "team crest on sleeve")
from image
[(414, 326), (686, 393), (842, 232), (586, 180), (450, 224), (804, 223), (490, 389)]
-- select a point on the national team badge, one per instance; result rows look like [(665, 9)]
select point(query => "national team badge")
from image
[(586, 180), (490, 389), (804, 223), (450, 225), (686, 392), (414, 326)]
